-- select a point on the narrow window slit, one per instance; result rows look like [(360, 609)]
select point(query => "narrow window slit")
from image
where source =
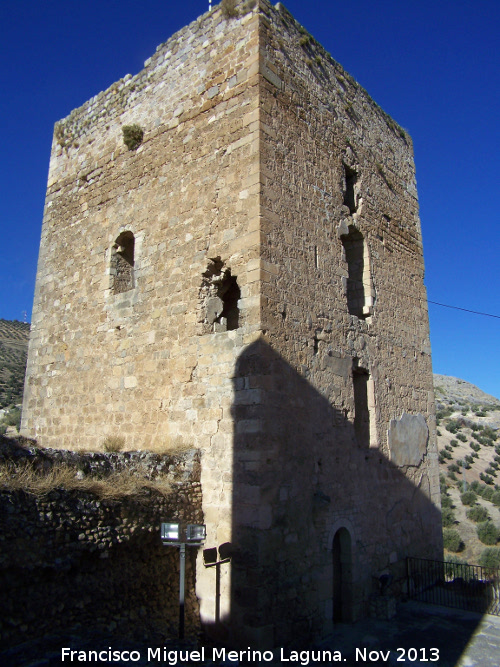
[(360, 378), (360, 293), (122, 263), (351, 178)]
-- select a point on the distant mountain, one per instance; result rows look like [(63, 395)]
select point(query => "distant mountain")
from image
[(461, 392), (13, 353)]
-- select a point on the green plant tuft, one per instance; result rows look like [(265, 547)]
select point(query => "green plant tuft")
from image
[(452, 540), (488, 533), (229, 9), (468, 498), (447, 517), (12, 418), (454, 560), (478, 514), (490, 557), (486, 491), (487, 480), (453, 425), (132, 136), (446, 500)]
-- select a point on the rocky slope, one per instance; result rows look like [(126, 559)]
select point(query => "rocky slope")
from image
[(13, 352), (468, 428)]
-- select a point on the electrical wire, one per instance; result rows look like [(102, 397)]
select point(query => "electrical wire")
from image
[(436, 303), (466, 310)]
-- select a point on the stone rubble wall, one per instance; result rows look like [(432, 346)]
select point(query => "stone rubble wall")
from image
[(76, 564)]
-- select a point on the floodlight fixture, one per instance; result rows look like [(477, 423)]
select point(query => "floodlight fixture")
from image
[(178, 534), (195, 533), (170, 532)]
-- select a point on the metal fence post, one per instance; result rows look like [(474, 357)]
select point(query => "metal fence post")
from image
[(182, 580)]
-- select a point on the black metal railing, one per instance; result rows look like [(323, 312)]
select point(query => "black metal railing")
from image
[(468, 587)]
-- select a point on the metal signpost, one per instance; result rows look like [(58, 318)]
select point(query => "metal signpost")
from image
[(178, 535), (210, 560)]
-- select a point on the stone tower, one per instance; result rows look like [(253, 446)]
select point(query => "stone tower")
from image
[(245, 276)]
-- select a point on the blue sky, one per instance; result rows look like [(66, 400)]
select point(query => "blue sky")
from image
[(433, 66)]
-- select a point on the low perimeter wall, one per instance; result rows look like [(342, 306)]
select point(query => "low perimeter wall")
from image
[(86, 563)]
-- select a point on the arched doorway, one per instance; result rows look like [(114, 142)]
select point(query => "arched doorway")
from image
[(342, 576)]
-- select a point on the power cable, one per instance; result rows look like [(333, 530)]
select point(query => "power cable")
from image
[(466, 310), (436, 303)]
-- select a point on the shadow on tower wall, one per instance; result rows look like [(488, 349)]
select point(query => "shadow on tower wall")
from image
[(321, 526)]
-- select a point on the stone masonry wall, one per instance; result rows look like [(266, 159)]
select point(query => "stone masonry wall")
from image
[(318, 128), (153, 364), (275, 316), (75, 564), (130, 361)]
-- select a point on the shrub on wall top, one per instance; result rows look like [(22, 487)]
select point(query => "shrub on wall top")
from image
[(229, 9)]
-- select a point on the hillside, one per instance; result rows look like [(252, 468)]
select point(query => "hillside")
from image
[(13, 352), (454, 391), (468, 428)]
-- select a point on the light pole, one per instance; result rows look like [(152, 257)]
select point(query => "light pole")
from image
[(178, 535)]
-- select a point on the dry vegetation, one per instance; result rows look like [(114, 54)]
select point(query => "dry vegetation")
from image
[(40, 482), (113, 443)]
